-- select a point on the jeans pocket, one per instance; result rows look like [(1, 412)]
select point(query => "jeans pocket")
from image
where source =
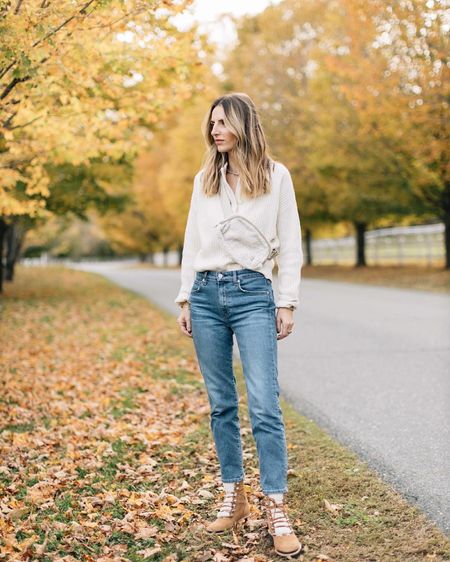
[(253, 285), (196, 286)]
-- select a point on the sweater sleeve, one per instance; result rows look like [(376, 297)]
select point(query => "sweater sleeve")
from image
[(290, 257), (191, 246)]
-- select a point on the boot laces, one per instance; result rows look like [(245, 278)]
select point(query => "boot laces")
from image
[(278, 518), (228, 503)]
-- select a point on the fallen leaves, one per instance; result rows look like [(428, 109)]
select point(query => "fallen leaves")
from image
[(147, 552), (331, 507), (40, 493), (87, 430)]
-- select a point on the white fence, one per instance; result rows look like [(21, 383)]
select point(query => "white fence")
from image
[(398, 245)]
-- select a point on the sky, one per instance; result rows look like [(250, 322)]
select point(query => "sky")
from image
[(212, 17), (213, 20)]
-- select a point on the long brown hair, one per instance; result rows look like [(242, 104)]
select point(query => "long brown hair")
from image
[(252, 152)]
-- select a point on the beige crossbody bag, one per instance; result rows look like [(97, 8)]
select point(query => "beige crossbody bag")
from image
[(244, 242)]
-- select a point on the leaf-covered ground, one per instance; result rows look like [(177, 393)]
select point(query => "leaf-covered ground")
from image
[(106, 451)]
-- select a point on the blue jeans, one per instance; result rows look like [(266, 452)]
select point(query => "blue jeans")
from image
[(240, 301)]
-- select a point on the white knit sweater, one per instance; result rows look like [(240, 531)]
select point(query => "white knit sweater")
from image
[(274, 213)]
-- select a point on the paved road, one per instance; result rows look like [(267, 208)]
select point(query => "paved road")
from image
[(368, 364)]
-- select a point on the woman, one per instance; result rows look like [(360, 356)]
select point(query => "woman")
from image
[(219, 297)]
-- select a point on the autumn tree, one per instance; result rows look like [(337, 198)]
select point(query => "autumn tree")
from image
[(144, 226), (338, 107), (162, 184), (185, 148), (82, 83), (387, 62)]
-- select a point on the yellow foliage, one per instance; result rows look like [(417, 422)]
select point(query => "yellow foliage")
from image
[(83, 80), (353, 97)]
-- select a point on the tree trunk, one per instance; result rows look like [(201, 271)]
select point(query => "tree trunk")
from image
[(308, 240), (165, 256), (446, 221), (15, 237), (3, 229), (360, 228), (447, 241), (180, 254)]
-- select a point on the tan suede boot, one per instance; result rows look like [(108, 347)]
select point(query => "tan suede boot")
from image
[(237, 508), (287, 544)]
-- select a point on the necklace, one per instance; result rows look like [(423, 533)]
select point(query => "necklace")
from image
[(226, 191), (233, 173)]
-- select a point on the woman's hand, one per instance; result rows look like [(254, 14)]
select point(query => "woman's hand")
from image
[(184, 320), (285, 322)]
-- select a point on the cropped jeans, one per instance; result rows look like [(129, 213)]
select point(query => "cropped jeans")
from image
[(240, 301)]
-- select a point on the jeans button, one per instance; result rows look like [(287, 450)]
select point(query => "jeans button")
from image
[(220, 275)]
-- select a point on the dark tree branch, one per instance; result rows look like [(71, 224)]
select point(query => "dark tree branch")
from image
[(25, 124), (16, 81), (18, 5), (12, 85), (7, 122), (64, 23)]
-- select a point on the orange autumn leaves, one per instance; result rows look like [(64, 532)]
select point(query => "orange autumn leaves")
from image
[(89, 437)]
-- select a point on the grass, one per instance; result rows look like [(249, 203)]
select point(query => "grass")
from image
[(422, 278), (107, 452)]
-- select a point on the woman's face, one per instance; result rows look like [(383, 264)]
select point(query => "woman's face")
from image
[(223, 137)]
